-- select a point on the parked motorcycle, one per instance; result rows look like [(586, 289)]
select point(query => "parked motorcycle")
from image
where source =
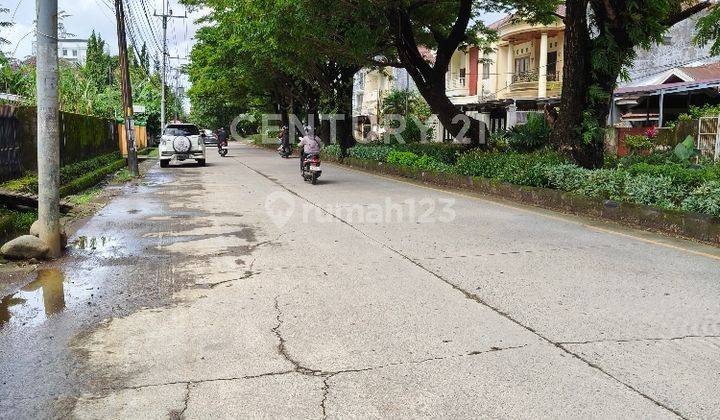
[(223, 148), (311, 168)]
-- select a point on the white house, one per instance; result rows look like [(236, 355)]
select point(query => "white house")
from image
[(73, 50)]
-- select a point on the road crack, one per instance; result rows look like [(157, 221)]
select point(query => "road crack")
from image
[(247, 275), (178, 414), (635, 340), (472, 296), (282, 348)]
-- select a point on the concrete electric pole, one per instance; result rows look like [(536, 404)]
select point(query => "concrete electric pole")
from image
[(165, 16), (48, 125), (126, 89)]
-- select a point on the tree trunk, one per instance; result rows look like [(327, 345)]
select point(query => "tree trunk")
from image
[(567, 134), (344, 95), (430, 79), (446, 111)]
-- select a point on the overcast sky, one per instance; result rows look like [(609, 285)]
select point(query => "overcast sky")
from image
[(86, 16)]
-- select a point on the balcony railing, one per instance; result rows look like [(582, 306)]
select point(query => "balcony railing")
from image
[(533, 76), (456, 82)]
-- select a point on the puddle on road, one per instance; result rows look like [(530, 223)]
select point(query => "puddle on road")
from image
[(37, 301), (91, 243)]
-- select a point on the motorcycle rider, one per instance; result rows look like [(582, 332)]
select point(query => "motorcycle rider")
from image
[(284, 137), (309, 145), (222, 138)]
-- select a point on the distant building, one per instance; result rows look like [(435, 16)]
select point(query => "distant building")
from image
[(370, 88), (73, 50)]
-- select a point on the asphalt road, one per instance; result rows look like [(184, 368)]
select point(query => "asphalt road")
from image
[(238, 290)]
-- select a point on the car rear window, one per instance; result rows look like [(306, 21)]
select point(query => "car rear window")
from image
[(181, 130)]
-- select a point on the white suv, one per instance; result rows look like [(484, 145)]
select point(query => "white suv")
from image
[(181, 142)]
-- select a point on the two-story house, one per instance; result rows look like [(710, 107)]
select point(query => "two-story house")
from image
[(523, 73)]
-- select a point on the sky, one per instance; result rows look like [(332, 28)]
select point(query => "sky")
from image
[(85, 16)]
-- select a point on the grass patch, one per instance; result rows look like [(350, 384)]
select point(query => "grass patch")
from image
[(70, 175), (15, 222), (84, 197), (90, 179), (123, 175), (148, 152)]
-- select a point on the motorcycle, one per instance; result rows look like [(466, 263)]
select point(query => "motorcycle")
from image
[(285, 151), (311, 168), (223, 148)]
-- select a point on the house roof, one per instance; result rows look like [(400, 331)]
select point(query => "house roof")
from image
[(668, 87), (507, 18), (710, 71)]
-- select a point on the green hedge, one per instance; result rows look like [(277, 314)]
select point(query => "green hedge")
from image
[(68, 173), (90, 179), (665, 186), (652, 180), (521, 169), (13, 223), (370, 152)]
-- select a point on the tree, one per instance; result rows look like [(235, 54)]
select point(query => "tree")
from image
[(709, 30), (97, 62), (156, 64), (444, 27), (601, 37), (144, 58)]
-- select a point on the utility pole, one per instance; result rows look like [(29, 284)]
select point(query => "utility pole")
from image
[(165, 16), (48, 125), (126, 89)]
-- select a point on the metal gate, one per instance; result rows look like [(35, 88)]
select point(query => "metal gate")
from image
[(10, 157), (709, 137)]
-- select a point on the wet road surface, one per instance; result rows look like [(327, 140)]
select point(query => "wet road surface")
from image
[(237, 290)]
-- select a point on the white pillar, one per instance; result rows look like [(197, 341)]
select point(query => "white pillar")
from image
[(542, 69), (480, 80), (510, 64), (511, 116)]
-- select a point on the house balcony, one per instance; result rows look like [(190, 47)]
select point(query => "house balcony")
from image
[(526, 85), (456, 86)]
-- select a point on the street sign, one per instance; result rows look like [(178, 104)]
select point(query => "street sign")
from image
[(138, 109)]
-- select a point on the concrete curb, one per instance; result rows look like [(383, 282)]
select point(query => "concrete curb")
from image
[(694, 226)]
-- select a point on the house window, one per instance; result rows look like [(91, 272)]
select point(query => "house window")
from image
[(486, 71), (74, 53), (64, 52), (522, 65), (552, 66), (462, 77)]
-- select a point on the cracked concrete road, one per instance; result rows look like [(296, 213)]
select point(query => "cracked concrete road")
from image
[(237, 290)]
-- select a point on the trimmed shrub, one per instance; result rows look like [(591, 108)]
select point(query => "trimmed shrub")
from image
[(531, 136), (441, 152), (68, 173), (601, 183), (604, 183), (522, 169), (704, 199), (679, 174), (90, 179), (374, 152), (332, 150), (654, 191), (396, 157)]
